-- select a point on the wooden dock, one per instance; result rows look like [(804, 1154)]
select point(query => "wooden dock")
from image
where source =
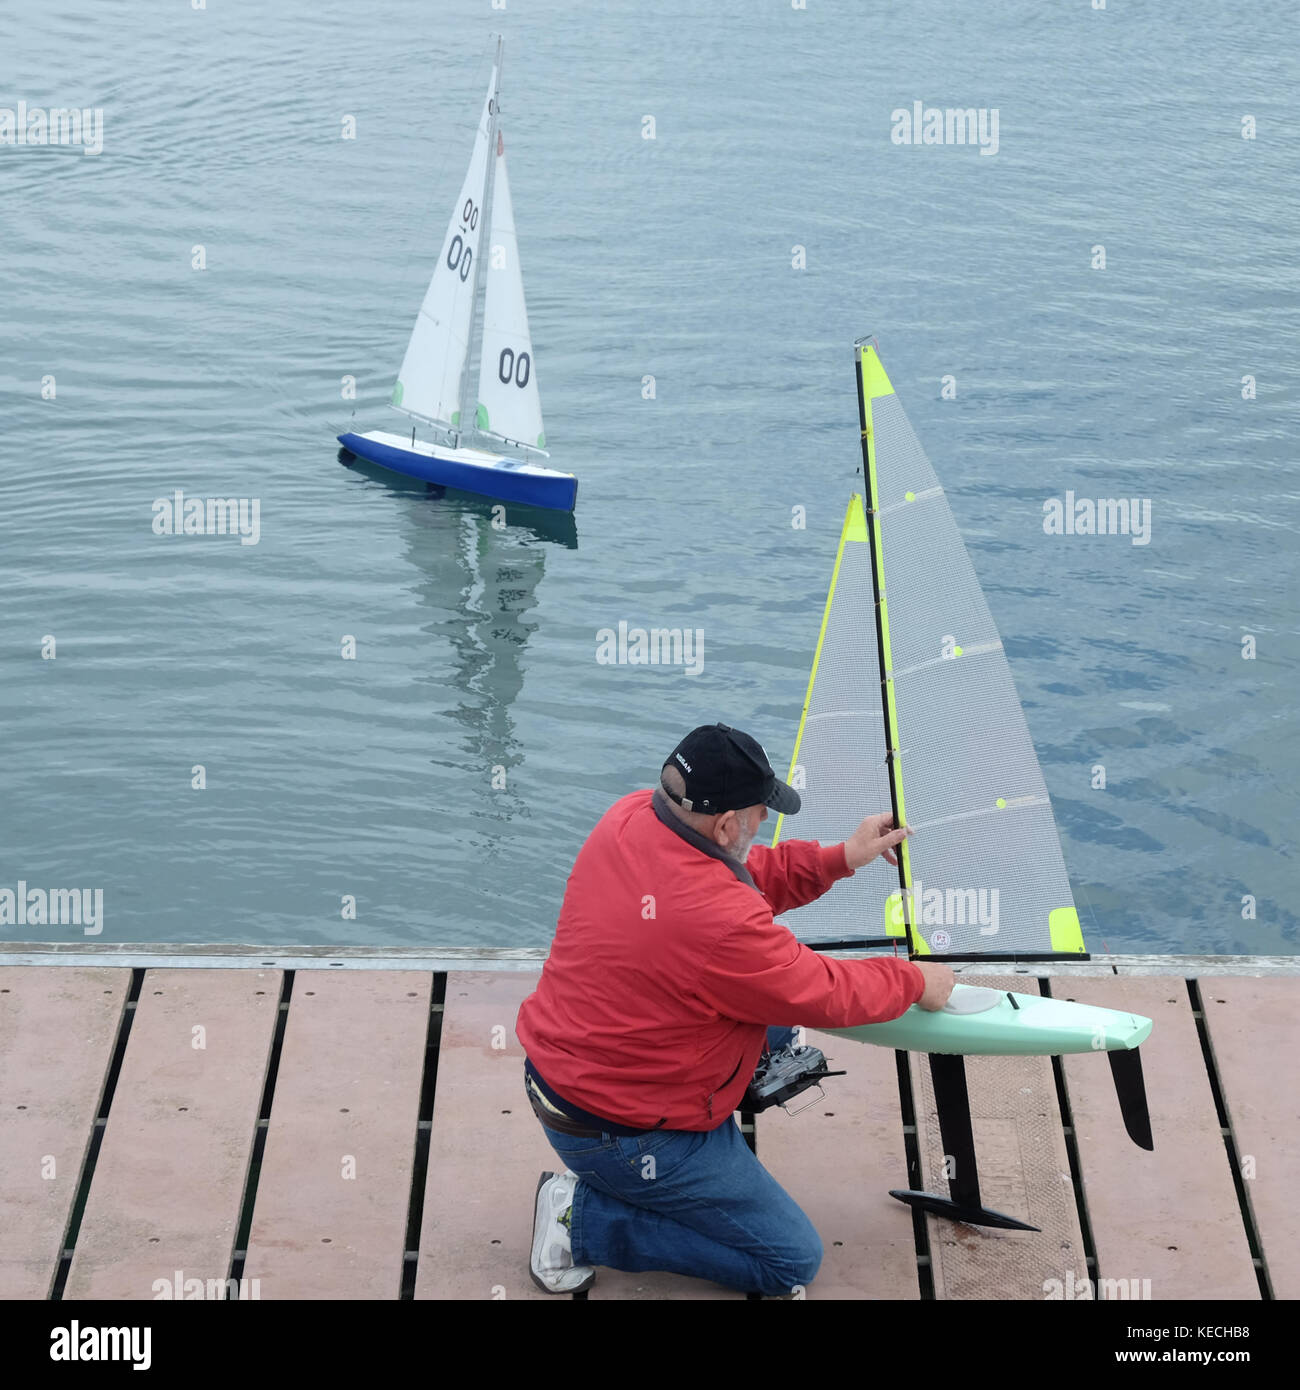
[(219, 1121)]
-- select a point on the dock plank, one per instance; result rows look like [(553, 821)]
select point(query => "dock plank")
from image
[(1169, 1216), (334, 1190), (1024, 1171), (838, 1159), (170, 1175), (651, 1287), (57, 1032), (486, 1148), (171, 1170), (1251, 1024)]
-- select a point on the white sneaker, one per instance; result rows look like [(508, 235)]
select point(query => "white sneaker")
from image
[(552, 1266)]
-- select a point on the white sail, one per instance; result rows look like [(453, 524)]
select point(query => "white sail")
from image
[(509, 407), (428, 385)]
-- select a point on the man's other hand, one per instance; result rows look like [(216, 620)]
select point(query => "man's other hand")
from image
[(876, 835), (939, 981)]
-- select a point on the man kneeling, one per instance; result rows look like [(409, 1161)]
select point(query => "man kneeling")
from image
[(666, 972)]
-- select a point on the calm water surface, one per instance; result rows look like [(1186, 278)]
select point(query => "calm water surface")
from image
[(669, 258)]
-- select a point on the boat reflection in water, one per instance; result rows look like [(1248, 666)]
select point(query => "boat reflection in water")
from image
[(474, 567)]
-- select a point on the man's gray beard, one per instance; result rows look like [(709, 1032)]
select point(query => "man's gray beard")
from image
[(741, 852)]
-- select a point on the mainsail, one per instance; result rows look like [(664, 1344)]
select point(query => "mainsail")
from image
[(909, 653), (509, 407), (429, 383)]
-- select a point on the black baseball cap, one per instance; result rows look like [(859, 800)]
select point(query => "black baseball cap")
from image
[(725, 770)]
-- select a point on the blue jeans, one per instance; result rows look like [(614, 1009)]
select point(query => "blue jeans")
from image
[(689, 1202)]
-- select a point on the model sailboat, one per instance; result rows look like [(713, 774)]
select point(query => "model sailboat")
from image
[(911, 694), (435, 382)]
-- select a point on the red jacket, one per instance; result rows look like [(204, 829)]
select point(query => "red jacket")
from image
[(667, 969)]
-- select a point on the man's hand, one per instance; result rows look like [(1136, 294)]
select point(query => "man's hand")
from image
[(876, 835), (939, 981)]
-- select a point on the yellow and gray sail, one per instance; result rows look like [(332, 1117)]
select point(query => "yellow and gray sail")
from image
[(912, 707)]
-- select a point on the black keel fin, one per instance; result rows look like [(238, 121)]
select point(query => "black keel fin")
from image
[(952, 1100), (1130, 1088)]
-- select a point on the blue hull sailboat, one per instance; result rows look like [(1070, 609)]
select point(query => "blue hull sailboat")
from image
[(434, 384)]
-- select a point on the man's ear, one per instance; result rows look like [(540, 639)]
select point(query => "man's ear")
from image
[(722, 829)]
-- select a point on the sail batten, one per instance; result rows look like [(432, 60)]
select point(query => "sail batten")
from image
[(912, 705)]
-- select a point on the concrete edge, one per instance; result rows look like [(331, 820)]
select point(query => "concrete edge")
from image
[(244, 956)]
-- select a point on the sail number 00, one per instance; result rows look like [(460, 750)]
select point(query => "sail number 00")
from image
[(510, 368), (460, 256)]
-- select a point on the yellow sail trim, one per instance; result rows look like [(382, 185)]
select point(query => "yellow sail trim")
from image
[(889, 651), (853, 532), (894, 925), (894, 915), (875, 383), (1066, 933), (875, 380)]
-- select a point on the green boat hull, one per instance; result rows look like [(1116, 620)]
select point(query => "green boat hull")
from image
[(981, 1022)]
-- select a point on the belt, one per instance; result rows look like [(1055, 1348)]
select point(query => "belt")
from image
[(552, 1119)]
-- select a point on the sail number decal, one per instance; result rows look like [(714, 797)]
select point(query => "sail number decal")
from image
[(510, 368), (460, 255)]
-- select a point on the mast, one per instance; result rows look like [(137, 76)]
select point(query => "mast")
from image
[(882, 641), (486, 213)]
